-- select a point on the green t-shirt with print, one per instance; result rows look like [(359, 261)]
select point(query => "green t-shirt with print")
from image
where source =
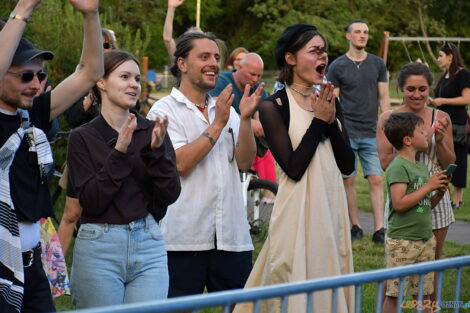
[(415, 223)]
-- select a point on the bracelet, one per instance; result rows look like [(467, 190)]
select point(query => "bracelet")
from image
[(211, 140), (15, 16)]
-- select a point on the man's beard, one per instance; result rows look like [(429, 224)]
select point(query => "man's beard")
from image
[(10, 101), (202, 85)]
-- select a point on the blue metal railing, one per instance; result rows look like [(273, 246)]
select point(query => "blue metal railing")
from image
[(227, 298)]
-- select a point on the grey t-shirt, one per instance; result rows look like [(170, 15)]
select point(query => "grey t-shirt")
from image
[(359, 95)]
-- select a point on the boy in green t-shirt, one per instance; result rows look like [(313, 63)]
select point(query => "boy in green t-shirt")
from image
[(410, 238)]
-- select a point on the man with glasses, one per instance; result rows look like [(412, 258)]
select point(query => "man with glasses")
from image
[(25, 153), (361, 84), (206, 230)]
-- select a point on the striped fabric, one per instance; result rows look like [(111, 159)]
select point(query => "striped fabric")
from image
[(442, 214), (11, 259)]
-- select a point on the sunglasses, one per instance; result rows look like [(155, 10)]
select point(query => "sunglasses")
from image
[(106, 45), (26, 77)]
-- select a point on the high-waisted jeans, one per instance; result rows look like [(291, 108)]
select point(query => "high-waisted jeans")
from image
[(115, 264)]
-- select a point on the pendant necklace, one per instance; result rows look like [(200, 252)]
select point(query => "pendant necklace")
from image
[(357, 63)]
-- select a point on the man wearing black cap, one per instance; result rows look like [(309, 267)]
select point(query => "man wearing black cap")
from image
[(362, 85), (26, 158)]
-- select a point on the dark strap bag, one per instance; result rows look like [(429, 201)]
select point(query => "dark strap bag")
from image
[(157, 210), (261, 146)]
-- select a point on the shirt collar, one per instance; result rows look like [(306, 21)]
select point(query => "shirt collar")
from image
[(180, 97)]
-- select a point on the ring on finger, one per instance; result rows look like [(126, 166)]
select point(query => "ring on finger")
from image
[(328, 99)]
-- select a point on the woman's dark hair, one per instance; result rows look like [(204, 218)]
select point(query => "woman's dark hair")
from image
[(286, 73), (414, 69), (457, 61), (112, 60), (399, 125), (184, 44)]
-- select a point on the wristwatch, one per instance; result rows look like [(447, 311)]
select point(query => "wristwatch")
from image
[(14, 16)]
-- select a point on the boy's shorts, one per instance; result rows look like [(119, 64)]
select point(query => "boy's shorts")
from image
[(366, 149), (401, 252)]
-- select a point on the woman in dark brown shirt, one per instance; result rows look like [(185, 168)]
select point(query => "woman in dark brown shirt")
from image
[(119, 254)]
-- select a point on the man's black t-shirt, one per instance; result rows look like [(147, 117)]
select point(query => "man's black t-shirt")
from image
[(30, 195)]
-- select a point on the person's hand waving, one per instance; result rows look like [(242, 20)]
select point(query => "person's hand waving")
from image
[(222, 106), (175, 3), (248, 104), (125, 134), (159, 132)]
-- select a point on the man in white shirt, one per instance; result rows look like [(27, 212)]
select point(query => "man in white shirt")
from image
[(206, 229)]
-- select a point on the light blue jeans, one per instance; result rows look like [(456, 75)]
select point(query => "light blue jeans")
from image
[(116, 264)]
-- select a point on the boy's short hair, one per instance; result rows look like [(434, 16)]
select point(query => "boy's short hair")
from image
[(399, 125)]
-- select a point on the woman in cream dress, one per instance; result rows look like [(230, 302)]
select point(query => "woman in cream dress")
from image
[(309, 229)]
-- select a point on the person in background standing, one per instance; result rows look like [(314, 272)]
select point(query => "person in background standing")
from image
[(452, 95), (361, 83)]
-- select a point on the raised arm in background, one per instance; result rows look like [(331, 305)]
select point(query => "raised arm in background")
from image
[(12, 31), (91, 67)]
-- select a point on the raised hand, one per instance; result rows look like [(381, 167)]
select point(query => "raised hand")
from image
[(42, 87), (248, 104), (175, 3), (159, 132), (125, 134), (323, 105), (85, 6), (440, 128), (222, 106)]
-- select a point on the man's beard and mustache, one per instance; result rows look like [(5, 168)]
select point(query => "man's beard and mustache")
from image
[(202, 84), (12, 102)]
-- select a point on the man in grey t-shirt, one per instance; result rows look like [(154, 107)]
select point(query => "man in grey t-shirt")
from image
[(361, 84)]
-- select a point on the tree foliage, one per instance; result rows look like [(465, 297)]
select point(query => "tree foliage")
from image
[(254, 24)]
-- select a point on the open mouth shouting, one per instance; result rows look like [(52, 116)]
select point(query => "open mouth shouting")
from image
[(320, 69)]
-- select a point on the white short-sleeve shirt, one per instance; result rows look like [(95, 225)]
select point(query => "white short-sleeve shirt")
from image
[(210, 205)]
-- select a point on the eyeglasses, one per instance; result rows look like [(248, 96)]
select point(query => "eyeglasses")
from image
[(107, 45), (26, 77)]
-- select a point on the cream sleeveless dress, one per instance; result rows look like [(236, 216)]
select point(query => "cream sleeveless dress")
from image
[(309, 233)]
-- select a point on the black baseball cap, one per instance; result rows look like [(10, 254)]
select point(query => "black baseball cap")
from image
[(26, 52)]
